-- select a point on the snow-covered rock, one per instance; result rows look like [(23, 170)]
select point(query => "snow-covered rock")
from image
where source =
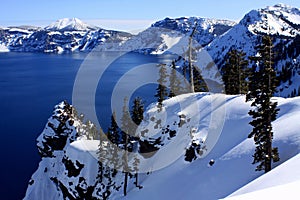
[(281, 22), (71, 173), (166, 33), (67, 24), (65, 35)]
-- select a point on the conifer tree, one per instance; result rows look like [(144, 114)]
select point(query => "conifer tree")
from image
[(161, 91), (91, 130), (137, 117), (261, 88), (192, 59), (101, 155), (113, 136), (137, 111), (199, 83), (174, 82), (126, 130), (235, 73)]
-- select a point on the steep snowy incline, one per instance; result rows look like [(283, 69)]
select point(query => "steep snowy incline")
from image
[(281, 22), (185, 121), (283, 181), (232, 154)]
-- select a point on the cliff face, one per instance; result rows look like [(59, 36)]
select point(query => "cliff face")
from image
[(62, 169), (65, 35), (197, 141)]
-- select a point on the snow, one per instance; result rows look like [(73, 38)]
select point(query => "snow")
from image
[(3, 48), (69, 24), (284, 174), (231, 170), (20, 30), (286, 191), (168, 41), (173, 178)]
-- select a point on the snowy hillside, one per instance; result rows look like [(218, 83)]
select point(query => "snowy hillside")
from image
[(166, 33), (282, 182), (214, 124), (65, 35), (282, 23), (73, 24)]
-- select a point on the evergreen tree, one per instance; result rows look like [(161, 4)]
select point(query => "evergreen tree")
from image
[(137, 111), (261, 88), (162, 91), (126, 130), (174, 82), (137, 117), (113, 136), (192, 58), (101, 156), (199, 83), (92, 131), (235, 73)]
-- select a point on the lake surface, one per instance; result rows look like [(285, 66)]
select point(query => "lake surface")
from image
[(31, 84)]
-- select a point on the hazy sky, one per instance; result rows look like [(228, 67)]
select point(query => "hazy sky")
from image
[(125, 14)]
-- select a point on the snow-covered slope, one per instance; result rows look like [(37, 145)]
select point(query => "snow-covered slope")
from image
[(279, 21), (67, 24), (280, 183), (65, 35), (190, 120), (164, 34)]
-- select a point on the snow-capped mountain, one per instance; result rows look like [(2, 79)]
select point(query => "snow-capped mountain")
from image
[(206, 29), (279, 21), (67, 24), (65, 35), (68, 169), (167, 33)]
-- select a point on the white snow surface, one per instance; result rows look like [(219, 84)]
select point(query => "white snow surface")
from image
[(69, 24), (179, 179), (283, 180), (3, 48)]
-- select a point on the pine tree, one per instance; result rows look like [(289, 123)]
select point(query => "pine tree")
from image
[(137, 111), (92, 131), (113, 136), (162, 91), (137, 117), (261, 88), (101, 156), (126, 130), (199, 83), (191, 56), (174, 82), (235, 73)]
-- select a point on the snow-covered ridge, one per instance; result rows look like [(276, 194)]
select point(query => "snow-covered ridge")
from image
[(175, 128), (65, 35), (70, 24), (279, 21), (167, 33)]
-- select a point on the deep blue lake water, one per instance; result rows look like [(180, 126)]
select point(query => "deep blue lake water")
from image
[(30, 85)]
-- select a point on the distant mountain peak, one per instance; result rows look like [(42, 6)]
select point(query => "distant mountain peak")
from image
[(70, 24), (279, 19)]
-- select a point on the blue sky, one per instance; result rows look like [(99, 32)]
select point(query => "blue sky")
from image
[(125, 14)]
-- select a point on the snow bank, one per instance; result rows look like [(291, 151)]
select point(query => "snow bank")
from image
[(3, 48), (283, 181)]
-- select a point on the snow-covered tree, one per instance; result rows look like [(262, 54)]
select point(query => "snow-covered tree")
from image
[(261, 88)]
